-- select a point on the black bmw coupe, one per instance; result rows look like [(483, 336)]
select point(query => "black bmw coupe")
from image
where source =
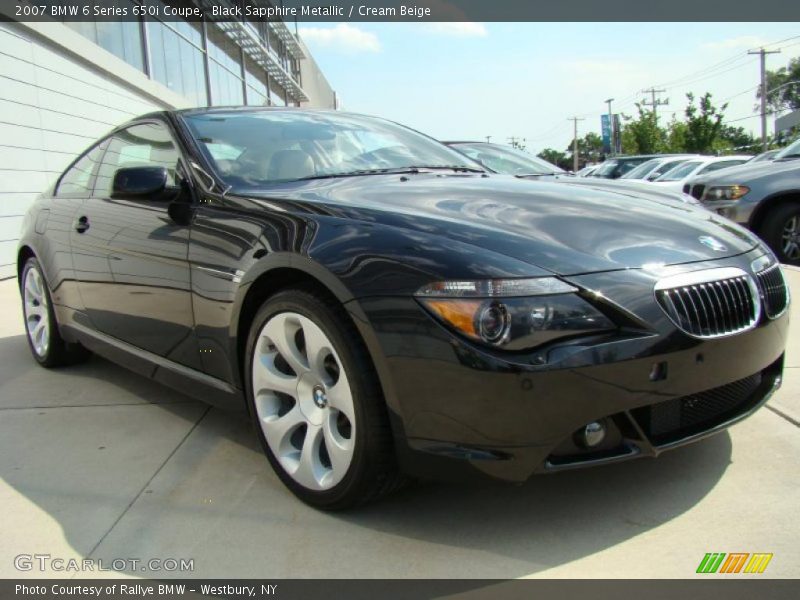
[(383, 307)]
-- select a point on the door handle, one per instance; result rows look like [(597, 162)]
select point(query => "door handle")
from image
[(82, 224)]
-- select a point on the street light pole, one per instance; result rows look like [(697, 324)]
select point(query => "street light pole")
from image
[(611, 127), (763, 56), (575, 142)]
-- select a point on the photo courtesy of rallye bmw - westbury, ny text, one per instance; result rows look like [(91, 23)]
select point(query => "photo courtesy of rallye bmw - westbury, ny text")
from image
[(418, 300), (145, 590)]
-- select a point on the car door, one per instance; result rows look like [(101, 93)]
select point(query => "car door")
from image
[(54, 223), (131, 257)]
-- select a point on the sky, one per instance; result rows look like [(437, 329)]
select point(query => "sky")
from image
[(472, 80)]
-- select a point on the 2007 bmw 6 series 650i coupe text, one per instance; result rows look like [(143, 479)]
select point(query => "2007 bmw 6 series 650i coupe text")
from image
[(382, 307)]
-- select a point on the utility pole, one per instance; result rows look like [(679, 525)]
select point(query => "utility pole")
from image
[(611, 126), (488, 139), (516, 142), (763, 55), (655, 102), (575, 142)]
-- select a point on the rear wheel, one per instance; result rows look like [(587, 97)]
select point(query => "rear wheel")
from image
[(320, 414), (781, 230), (45, 341)]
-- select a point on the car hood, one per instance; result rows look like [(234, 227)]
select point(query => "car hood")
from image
[(632, 187), (741, 174), (566, 229)]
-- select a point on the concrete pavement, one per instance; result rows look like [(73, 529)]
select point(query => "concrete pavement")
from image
[(98, 462)]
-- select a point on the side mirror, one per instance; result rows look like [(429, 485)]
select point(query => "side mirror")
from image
[(142, 183)]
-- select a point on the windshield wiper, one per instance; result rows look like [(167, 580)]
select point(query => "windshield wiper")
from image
[(361, 172), (390, 171), (458, 168)]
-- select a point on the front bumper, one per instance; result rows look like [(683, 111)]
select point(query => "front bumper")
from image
[(739, 211), (459, 410)]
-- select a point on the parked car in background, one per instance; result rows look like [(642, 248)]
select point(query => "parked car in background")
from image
[(524, 165), (656, 167), (764, 196), (505, 159), (616, 167), (768, 155), (380, 305), (676, 177), (587, 171)]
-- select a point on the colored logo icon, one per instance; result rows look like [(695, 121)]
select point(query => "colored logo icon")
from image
[(734, 562)]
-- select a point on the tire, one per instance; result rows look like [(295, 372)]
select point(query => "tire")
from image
[(41, 327), (316, 402), (781, 230)]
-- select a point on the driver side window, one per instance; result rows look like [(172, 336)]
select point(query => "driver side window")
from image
[(145, 145)]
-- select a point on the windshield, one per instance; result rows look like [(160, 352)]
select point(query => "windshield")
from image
[(680, 171), (764, 156), (506, 160), (607, 168), (253, 148), (791, 151), (643, 170)]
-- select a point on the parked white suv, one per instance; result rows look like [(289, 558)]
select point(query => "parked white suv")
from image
[(676, 177)]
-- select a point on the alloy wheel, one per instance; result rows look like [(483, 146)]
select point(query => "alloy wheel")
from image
[(790, 238), (303, 401), (37, 319)]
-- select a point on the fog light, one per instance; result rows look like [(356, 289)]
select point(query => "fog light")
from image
[(592, 434)]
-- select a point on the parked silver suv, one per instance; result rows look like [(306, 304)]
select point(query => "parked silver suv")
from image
[(763, 196)]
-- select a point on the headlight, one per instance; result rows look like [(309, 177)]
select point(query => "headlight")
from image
[(513, 314), (725, 192)]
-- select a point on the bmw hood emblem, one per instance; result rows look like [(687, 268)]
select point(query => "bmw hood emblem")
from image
[(712, 243)]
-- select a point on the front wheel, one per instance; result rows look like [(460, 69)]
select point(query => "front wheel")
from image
[(781, 230), (320, 414)]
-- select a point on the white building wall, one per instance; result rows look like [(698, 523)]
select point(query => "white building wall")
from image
[(53, 105), (315, 85), (59, 92)]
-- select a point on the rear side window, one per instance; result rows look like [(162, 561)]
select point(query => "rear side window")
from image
[(723, 164), (145, 145), (77, 180), (666, 167)]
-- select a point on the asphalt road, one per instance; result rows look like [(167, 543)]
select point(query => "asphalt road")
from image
[(98, 462)]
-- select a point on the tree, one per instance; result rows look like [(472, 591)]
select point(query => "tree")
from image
[(555, 157), (737, 139), (782, 93), (642, 135), (676, 136), (703, 124), (590, 148)]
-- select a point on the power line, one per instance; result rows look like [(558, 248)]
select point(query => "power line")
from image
[(710, 75), (794, 37), (741, 119)]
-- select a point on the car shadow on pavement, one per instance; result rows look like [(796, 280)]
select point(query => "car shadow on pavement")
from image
[(477, 530), (557, 518)]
